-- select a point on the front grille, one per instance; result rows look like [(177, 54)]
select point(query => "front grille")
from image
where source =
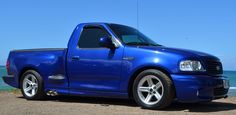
[(214, 67), (220, 91)]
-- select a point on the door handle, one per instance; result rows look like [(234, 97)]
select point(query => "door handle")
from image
[(75, 58)]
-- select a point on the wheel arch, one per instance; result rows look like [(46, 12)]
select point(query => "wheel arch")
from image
[(23, 70), (134, 75)]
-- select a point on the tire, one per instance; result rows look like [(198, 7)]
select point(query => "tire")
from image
[(153, 89), (31, 80)]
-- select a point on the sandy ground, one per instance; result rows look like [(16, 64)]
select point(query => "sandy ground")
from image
[(15, 104)]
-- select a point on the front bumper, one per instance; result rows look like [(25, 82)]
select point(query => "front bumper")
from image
[(198, 88), (10, 80)]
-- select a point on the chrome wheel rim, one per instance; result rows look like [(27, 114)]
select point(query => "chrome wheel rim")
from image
[(30, 85), (150, 90)]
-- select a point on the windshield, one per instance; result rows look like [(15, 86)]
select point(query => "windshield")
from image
[(131, 36)]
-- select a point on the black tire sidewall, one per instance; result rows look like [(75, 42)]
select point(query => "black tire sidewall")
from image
[(167, 94), (40, 92)]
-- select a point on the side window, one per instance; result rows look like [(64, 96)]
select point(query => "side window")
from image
[(90, 36)]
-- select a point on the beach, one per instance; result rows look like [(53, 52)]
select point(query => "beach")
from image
[(12, 103)]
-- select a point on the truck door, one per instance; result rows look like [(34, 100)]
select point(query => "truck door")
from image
[(94, 68)]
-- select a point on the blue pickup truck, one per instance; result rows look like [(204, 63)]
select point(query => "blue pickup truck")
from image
[(117, 61)]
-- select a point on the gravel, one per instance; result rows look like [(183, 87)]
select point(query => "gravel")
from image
[(12, 103)]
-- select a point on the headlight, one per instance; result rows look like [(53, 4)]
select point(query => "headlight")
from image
[(191, 65)]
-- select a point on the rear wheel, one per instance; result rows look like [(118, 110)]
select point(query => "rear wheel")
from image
[(153, 89), (32, 85)]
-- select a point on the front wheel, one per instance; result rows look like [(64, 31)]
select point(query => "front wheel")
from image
[(32, 85), (153, 89)]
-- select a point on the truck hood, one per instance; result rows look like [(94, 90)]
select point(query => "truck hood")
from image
[(179, 51)]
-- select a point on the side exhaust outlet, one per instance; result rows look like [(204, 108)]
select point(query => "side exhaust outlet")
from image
[(52, 93)]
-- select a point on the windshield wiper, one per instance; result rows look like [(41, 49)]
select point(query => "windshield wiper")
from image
[(142, 43), (155, 45), (138, 43)]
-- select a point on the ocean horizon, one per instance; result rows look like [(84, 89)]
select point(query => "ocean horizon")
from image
[(230, 74)]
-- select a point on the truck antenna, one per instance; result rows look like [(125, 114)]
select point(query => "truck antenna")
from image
[(137, 14)]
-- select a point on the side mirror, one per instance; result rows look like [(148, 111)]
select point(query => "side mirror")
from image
[(106, 42)]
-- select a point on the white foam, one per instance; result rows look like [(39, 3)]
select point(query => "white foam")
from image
[(232, 88)]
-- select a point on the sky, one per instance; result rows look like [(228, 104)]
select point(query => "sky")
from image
[(202, 25)]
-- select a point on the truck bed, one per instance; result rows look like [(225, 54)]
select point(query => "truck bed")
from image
[(51, 61), (39, 50)]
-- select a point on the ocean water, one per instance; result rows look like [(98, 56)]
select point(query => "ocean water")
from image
[(230, 74), (3, 86)]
